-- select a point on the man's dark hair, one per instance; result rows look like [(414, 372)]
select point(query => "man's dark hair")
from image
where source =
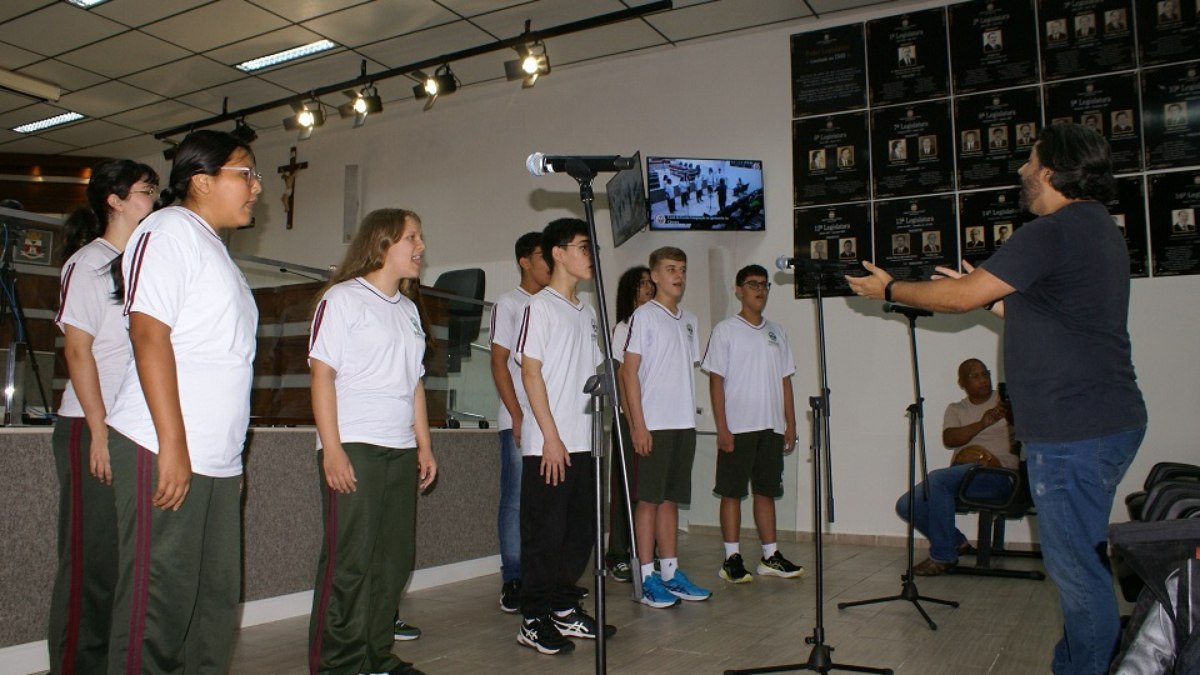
[(526, 244), (560, 233), (750, 271), (1080, 159)]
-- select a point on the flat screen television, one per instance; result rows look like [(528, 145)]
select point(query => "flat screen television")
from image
[(705, 194), (627, 202)]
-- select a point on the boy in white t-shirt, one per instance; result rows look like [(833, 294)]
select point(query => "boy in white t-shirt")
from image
[(558, 352), (750, 370), (660, 351), (506, 323)]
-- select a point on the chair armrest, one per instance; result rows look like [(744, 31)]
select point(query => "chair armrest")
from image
[(975, 472)]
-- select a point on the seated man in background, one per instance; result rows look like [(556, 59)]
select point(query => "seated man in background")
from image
[(977, 429)]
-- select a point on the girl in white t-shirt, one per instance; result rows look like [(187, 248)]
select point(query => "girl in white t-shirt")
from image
[(366, 351), (179, 421), (120, 194)]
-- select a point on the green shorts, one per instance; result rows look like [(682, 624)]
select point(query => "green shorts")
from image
[(666, 473), (757, 459)]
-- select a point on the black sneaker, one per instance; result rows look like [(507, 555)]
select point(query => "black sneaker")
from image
[(579, 592), (779, 566), (580, 624), (510, 597), (405, 668), (542, 635), (734, 571)]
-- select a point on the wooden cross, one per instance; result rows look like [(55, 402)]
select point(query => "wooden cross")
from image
[(288, 173)]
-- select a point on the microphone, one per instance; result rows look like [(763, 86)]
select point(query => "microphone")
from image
[(784, 263), (910, 312), (540, 164)]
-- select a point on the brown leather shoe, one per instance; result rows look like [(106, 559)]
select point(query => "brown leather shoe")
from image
[(932, 568)]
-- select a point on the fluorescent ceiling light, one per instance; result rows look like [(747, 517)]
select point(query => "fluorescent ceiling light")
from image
[(48, 122), (86, 4), (286, 55)]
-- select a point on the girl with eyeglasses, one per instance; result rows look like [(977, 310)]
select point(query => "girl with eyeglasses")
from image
[(120, 194), (179, 422)]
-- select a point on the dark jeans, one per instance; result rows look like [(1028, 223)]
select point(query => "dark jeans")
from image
[(556, 534)]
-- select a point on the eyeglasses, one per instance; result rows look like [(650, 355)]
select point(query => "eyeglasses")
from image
[(251, 174), (757, 285), (585, 247), (645, 282), (150, 192)]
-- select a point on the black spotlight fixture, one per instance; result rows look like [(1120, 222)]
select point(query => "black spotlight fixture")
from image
[(309, 115), (169, 151), (531, 64), (244, 132), (442, 82), (361, 103)]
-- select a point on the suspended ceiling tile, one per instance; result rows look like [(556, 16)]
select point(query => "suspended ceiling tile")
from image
[(34, 145), (822, 7), (13, 8), (123, 54), (106, 99), (64, 75), (58, 28), (183, 77), (375, 21), (242, 94), (11, 101), (12, 57), (320, 72), (471, 8), (726, 15), (262, 45), (422, 45), (90, 132), (303, 10), (158, 116), (543, 14), (134, 148), (215, 25), (141, 12), (613, 39)]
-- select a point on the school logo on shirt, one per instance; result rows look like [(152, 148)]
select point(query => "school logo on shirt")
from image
[(772, 338), (691, 333), (595, 331), (416, 327)]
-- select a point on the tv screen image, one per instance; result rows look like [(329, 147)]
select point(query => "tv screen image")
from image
[(627, 202), (705, 194)]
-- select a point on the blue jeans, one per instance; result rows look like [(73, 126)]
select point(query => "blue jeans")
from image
[(508, 516), (935, 515), (1073, 485)]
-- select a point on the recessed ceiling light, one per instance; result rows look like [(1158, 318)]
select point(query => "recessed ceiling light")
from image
[(86, 4), (47, 123), (286, 55)]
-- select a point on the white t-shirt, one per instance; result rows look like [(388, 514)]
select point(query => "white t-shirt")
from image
[(506, 325), (564, 337), (85, 302), (178, 271), (669, 345), (376, 345), (753, 360), (620, 335), (997, 438)]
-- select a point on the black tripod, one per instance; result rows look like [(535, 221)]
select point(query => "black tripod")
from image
[(820, 659), (19, 348), (916, 434)]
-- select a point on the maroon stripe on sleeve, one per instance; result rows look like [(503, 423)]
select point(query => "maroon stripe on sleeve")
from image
[(62, 292), (492, 327), (135, 270), (628, 335), (326, 587), (318, 317), (524, 331)]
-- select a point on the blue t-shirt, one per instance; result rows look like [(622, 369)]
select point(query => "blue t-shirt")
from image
[(1066, 341)]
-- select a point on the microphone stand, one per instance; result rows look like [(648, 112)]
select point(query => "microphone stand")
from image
[(820, 658), (916, 433), (583, 175)]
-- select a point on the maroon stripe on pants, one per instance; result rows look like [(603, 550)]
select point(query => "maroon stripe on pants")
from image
[(75, 589), (314, 654), (141, 560)]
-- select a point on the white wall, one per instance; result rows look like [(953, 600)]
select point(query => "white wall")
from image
[(461, 166)]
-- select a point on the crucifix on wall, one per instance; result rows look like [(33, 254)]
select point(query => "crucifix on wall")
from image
[(288, 173)]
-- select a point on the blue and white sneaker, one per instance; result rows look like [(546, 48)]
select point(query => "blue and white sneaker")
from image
[(682, 587), (655, 594)]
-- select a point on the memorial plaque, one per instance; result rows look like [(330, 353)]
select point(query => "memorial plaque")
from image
[(993, 44), (910, 149), (987, 220), (1174, 204), (1168, 30), (907, 57), (829, 71), (831, 159), (1171, 115), (835, 233), (1101, 103), (913, 236), (995, 134), (1085, 37), (1128, 213)]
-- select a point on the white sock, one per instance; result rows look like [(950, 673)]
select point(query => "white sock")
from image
[(769, 550), (730, 549), (669, 565), (647, 571)]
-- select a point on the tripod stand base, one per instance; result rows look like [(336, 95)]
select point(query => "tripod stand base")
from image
[(909, 592), (819, 661)]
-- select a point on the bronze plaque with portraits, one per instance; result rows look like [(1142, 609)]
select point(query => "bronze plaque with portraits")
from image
[(987, 219), (1171, 115), (839, 233), (831, 159), (910, 149), (1099, 103), (996, 131), (913, 236), (829, 71), (993, 44), (1174, 204), (1128, 211), (1085, 37), (907, 57), (1168, 30)]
